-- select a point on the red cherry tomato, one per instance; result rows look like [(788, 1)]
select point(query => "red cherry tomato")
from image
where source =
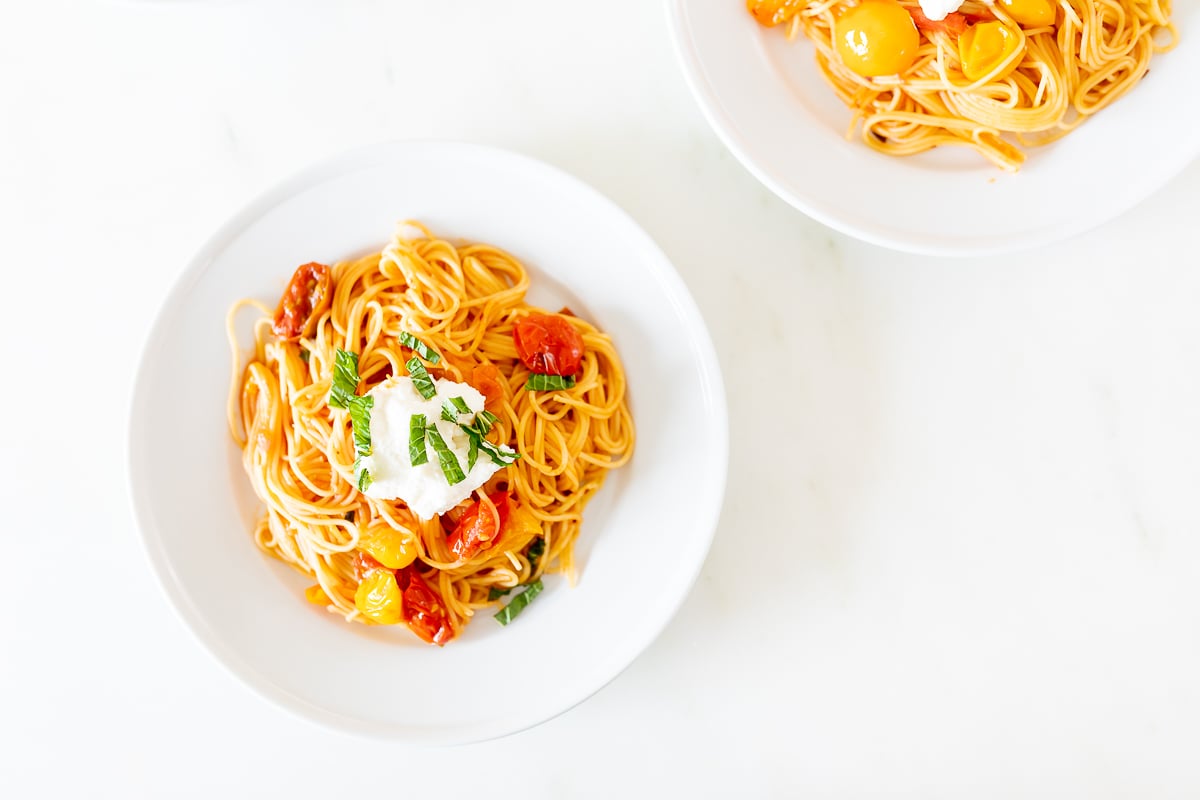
[(423, 610), (548, 344), (364, 565), (477, 527), (954, 23), (304, 300), (486, 378)]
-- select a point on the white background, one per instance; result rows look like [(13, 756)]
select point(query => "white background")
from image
[(960, 552)]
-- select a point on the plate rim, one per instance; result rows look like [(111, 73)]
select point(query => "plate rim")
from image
[(713, 399), (695, 76)]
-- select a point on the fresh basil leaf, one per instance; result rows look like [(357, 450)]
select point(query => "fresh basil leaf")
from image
[(535, 552), (484, 420), (496, 594), (446, 458), (417, 453), (423, 350), (420, 378), (549, 383), (500, 454), (472, 453), (360, 417), (345, 379), (518, 603), (364, 480)]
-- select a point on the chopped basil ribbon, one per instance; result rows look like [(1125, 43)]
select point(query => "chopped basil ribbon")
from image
[(518, 603), (423, 350), (417, 454), (549, 383), (485, 420), (345, 379), (446, 459), (420, 378), (472, 453), (476, 431), (535, 552), (495, 593), (453, 407), (343, 394)]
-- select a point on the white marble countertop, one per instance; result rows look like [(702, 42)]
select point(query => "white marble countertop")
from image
[(963, 562)]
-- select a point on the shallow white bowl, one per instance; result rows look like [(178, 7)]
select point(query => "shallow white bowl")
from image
[(767, 101), (644, 537)]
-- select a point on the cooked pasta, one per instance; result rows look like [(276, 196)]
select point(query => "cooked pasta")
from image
[(994, 76), (457, 314)]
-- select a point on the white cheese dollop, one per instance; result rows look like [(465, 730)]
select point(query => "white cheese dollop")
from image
[(938, 9), (424, 487)]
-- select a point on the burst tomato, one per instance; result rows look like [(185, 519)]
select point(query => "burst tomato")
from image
[(477, 527), (773, 12), (548, 344), (486, 378), (305, 299), (422, 608)]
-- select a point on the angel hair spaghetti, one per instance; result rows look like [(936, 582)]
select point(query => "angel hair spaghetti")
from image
[(425, 442), (994, 75)]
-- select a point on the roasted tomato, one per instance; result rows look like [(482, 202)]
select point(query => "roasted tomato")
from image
[(954, 23), (773, 12), (548, 344), (389, 547), (305, 299), (486, 378), (378, 597), (479, 527), (364, 564), (422, 608)]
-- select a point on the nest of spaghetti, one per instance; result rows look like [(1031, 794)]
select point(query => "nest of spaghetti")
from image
[(533, 415), (999, 76)]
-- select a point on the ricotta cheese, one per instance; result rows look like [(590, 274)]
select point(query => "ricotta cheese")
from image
[(423, 488), (937, 10)]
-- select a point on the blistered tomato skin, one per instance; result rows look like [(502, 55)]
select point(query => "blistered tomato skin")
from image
[(548, 344), (983, 47), (388, 546), (773, 12), (378, 597), (876, 37)]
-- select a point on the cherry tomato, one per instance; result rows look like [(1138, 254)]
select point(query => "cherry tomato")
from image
[(305, 299), (773, 12), (477, 528), (423, 610), (364, 565), (548, 344), (954, 22), (486, 378), (378, 598)]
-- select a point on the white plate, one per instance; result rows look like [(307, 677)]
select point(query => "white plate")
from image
[(766, 99), (644, 536)]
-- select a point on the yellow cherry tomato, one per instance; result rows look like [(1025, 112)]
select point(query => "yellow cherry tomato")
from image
[(983, 46), (773, 12), (316, 595), (378, 597), (392, 548), (876, 37), (1030, 13)]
